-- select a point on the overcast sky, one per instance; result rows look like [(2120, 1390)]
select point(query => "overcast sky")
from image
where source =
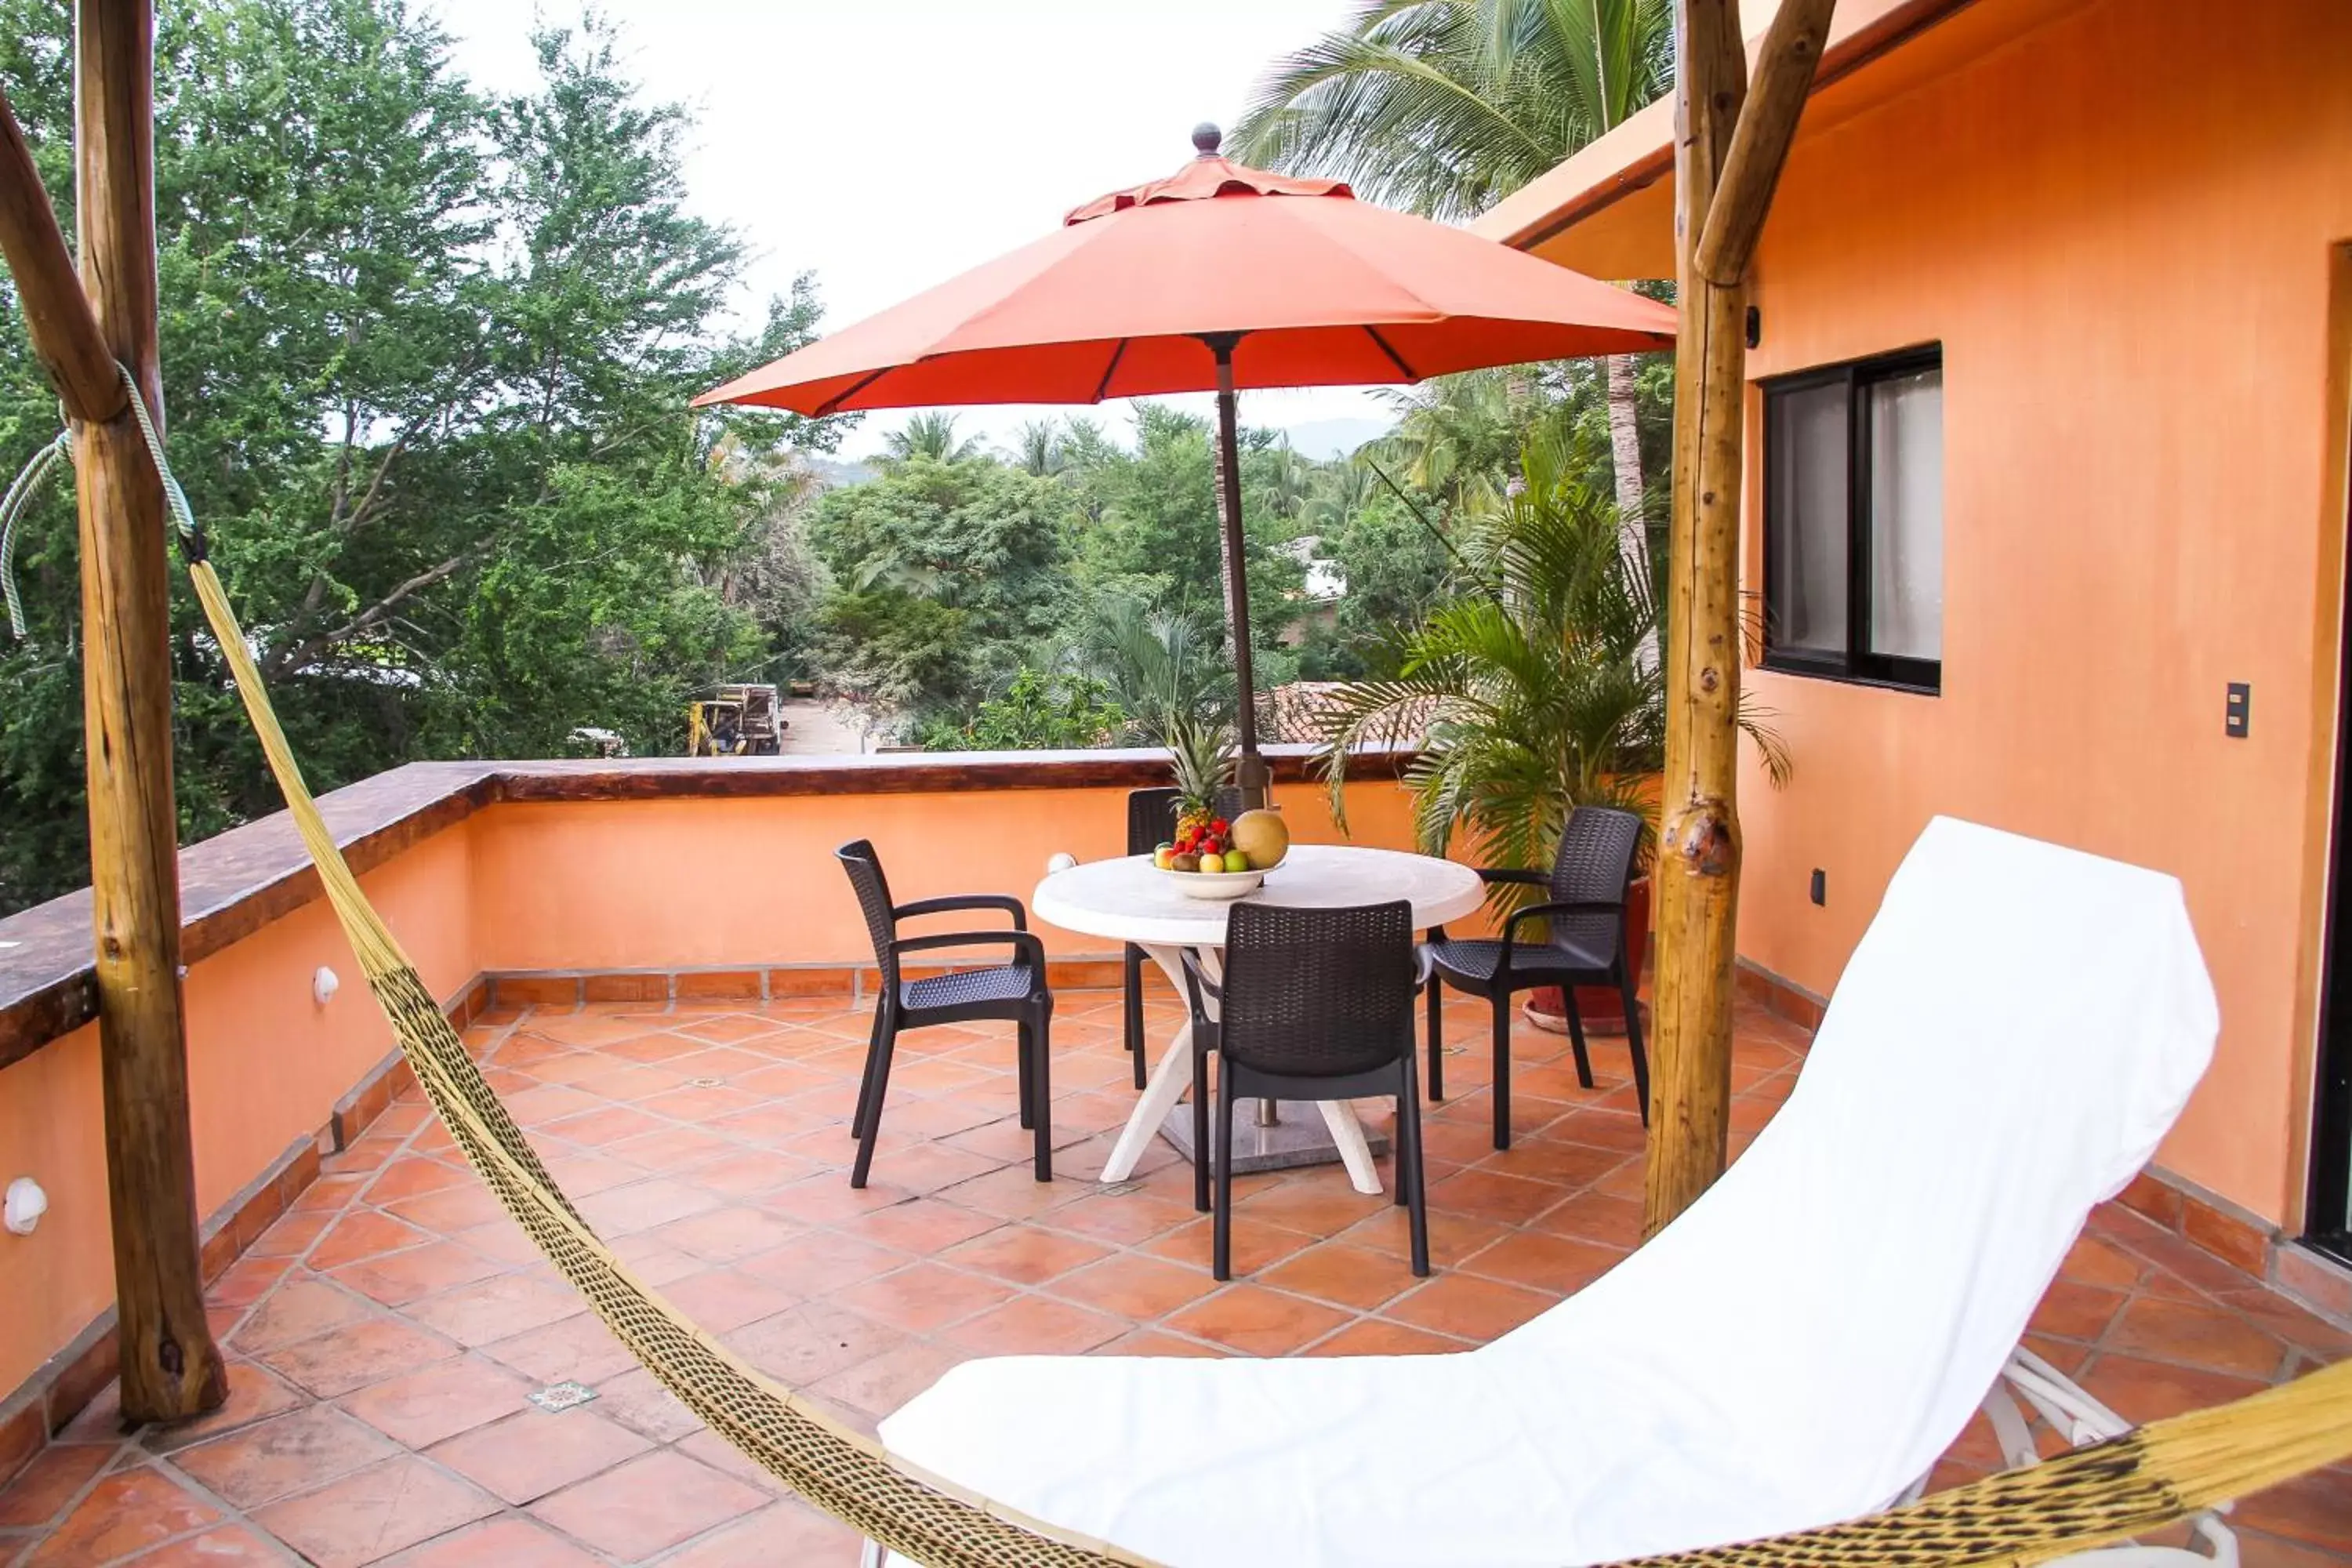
[(887, 146)]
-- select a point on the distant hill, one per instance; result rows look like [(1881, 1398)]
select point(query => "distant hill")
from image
[(838, 473), (1326, 439)]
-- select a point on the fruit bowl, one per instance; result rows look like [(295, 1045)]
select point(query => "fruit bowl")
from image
[(1214, 884)]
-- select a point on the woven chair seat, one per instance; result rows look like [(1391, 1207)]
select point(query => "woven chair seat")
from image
[(1477, 959), (1008, 983)]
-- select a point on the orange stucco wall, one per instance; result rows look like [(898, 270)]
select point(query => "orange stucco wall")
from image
[(2122, 226), (754, 882), (266, 1064), (662, 884)]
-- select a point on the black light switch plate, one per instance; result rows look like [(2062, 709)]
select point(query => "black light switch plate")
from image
[(1820, 885), (2237, 709)]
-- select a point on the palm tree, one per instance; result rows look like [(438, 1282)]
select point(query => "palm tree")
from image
[(1444, 107), (1285, 482), (1037, 450), (1526, 696), (930, 435), (1457, 437), (1162, 666), (1341, 489)]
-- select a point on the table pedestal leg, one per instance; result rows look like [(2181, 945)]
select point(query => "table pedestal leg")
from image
[(1173, 1075), (1169, 1078), (1355, 1149)]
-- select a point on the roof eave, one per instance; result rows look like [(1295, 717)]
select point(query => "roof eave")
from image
[(1640, 151)]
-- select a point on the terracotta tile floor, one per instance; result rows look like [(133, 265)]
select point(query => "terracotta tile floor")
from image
[(385, 1337)]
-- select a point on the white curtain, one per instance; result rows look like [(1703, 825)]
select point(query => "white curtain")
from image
[(1805, 592), (1907, 516)]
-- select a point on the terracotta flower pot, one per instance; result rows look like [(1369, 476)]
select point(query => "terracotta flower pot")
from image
[(1600, 1009)]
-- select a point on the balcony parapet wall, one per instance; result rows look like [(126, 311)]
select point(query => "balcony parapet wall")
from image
[(233, 885)]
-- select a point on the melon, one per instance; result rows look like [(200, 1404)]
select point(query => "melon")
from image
[(1261, 836)]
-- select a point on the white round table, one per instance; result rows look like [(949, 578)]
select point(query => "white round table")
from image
[(1128, 900)]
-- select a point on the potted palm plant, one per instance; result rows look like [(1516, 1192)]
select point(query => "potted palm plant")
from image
[(1535, 689)]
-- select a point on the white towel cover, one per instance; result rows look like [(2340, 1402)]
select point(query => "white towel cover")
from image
[(2014, 1034)]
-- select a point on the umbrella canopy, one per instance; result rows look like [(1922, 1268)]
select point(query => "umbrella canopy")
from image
[(1220, 277), (1118, 303)]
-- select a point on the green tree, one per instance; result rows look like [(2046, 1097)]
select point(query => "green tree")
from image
[(930, 437), (1444, 107), (1457, 438), (971, 536), (1398, 569), (1155, 537), (1527, 692), (1040, 448), (1161, 667), (1039, 712), (888, 653), (427, 362)]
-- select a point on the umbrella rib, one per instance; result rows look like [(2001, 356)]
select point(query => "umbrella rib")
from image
[(1388, 349), (1118, 352), (833, 405)]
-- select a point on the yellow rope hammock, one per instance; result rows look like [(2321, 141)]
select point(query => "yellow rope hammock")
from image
[(2103, 1493)]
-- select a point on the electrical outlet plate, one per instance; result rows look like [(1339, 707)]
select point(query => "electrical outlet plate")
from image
[(2237, 710)]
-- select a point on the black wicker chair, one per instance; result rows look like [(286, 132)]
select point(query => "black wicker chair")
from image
[(1315, 1005), (1585, 945), (1015, 991), (1150, 822)]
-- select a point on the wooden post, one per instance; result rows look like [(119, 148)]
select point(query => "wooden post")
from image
[(171, 1368), (1729, 147), (64, 335)]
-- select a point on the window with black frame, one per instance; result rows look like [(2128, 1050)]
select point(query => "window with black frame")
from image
[(1853, 520)]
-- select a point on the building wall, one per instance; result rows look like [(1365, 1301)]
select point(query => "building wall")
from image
[(755, 882), (265, 1066), (2123, 228)]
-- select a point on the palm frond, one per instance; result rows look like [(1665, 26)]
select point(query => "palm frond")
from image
[(1444, 106)]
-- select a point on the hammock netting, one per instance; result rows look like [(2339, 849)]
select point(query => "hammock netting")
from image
[(2107, 1492)]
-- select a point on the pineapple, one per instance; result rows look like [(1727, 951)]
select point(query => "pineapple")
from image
[(1202, 759)]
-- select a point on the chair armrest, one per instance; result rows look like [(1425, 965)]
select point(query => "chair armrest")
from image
[(1004, 901), (1492, 875), (1027, 942), (1425, 964), (1536, 912), (1572, 907)]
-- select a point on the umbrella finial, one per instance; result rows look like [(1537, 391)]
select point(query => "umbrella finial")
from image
[(1207, 137)]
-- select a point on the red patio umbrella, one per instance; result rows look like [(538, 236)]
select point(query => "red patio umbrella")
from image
[(1218, 276)]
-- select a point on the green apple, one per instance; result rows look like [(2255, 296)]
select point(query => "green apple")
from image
[(1236, 861)]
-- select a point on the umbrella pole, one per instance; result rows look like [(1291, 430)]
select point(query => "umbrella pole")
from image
[(1251, 777)]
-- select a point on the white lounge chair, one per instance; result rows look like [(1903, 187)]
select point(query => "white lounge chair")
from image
[(2017, 1030)]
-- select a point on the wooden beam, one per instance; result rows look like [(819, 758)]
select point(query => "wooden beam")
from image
[(1760, 143), (64, 329), (171, 1368), (1729, 146)]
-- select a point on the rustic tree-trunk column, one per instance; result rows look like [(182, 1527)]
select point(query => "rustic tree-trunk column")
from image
[(1697, 875), (170, 1369), (1729, 150)]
